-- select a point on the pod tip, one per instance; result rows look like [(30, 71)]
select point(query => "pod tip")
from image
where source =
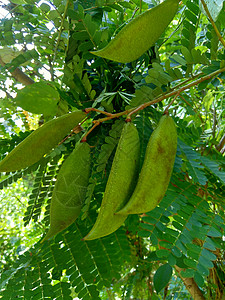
[(128, 120)]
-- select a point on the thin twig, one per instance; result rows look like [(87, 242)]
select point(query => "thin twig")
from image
[(213, 23), (172, 93), (84, 139), (60, 30), (132, 111), (89, 109), (168, 106), (187, 80)]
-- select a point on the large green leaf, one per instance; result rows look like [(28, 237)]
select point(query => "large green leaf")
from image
[(162, 277), (38, 98)]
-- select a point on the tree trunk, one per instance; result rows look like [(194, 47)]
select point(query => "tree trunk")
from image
[(19, 75), (221, 144), (191, 286)]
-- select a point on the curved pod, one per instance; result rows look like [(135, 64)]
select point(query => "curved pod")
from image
[(40, 142), (120, 184), (140, 34), (156, 170), (70, 190)]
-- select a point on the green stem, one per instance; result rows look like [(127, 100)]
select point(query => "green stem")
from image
[(60, 30)]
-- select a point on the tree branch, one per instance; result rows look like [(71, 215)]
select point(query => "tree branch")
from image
[(175, 91), (221, 144), (191, 286), (129, 112), (19, 75)]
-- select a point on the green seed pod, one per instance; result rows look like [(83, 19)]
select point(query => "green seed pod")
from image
[(70, 190), (140, 34), (40, 142), (120, 184), (157, 169)]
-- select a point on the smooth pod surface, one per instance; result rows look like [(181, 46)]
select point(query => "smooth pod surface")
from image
[(70, 190), (156, 170), (120, 184), (140, 34), (40, 142)]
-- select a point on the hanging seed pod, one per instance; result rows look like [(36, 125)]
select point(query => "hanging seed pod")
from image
[(70, 190), (140, 34), (40, 142), (156, 170), (120, 184)]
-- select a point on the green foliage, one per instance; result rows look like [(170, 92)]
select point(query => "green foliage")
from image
[(187, 229), (102, 156), (8, 179), (110, 143), (90, 265), (190, 23), (50, 44), (15, 238), (42, 189)]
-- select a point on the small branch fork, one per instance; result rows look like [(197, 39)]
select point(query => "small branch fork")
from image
[(130, 112)]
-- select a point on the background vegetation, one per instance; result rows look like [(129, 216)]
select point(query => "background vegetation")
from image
[(175, 251)]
